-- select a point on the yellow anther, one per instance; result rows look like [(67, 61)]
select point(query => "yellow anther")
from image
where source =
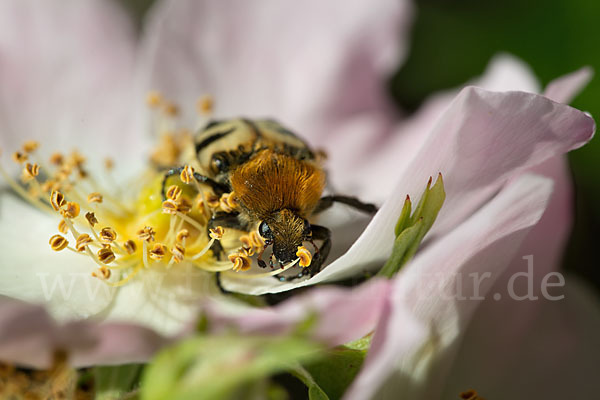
[(205, 105), (182, 234), (109, 164), (57, 200), (246, 242), (171, 109), (240, 261), (49, 185), (257, 240), (147, 234), (101, 273), (19, 157), (212, 200), (228, 202), (217, 233), (30, 146), (91, 218), (174, 192), (56, 159), (178, 252), (58, 243), (187, 175), (30, 171), (71, 210), (63, 227), (108, 234), (184, 206), (304, 255), (154, 99), (106, 255), (94, 197), (130, 246), (169, 207), (158, 252), (76, 159), (82, 173), (82, 241)]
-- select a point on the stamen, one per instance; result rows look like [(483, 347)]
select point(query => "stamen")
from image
[(109, 164), (215, 234), (173, 193), (19, 157), (228, 202), (91, 218), (240, 261), (146, 234), (94, 198), (158, 252), (169, 207), (205, 105), (57, 200), (58, 243), (62, 227), (101, 273), (30, 171), (178, 252), (71, 210), (56, 159), (127, 278), (106, 255), (130, 246), (265, 274), (154, 99), (187, 175), (171, 109), (304, 256), (108, 235), (182, 235), (82, 241), (30, 146)]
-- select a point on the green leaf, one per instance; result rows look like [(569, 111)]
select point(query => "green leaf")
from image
[(334, 373), (411, 229), (314, 390), (211, 367), (115, 382)]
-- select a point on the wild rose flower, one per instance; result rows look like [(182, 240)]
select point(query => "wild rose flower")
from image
[(162, 282)]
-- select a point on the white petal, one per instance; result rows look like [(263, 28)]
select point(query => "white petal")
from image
[(565, 88), (32, 272)]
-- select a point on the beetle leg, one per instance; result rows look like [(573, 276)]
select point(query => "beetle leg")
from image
[(217, 187), (319, 233), (327, 201), (259, 259)]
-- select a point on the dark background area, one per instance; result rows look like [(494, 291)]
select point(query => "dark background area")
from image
[(452, 41)]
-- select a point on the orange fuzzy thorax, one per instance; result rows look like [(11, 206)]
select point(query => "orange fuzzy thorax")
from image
[(272, 181)]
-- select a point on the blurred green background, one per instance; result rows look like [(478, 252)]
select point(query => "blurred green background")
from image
[(452, 41)]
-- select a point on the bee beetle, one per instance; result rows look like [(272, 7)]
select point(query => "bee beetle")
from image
[(277, 181)]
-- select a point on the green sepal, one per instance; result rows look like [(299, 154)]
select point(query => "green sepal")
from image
[(116, 382), (411, 229), (314, 390), (216, 367)]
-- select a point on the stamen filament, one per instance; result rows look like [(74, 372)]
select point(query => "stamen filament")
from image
[(126, 279), (36, 202)]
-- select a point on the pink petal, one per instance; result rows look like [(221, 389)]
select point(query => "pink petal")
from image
[(482, 140), (65, 73), (565, 88), (29, 337), (429, 288), (539, 349), (308, 64), (336, 315)]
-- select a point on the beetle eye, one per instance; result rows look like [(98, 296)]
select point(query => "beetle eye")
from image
[(265, 230), (219, 162)]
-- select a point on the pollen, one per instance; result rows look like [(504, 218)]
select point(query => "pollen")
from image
[(91, 218), (154, 99), (102, 273), (108, 235), (31, 171), (304, 255), (146, 234), (187, 175), (158, 252), (82, 241), (94, 197), (182, 235), (178, 252), (217, 232), (30, 146), (57, 200), (71, 210), (19, 157), (106, 255), (58, 243), (62, 227), (173, 193), (205, 105), (130, 246), (240, 261)]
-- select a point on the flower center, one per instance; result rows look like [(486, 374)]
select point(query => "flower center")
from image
[(159, 221)]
